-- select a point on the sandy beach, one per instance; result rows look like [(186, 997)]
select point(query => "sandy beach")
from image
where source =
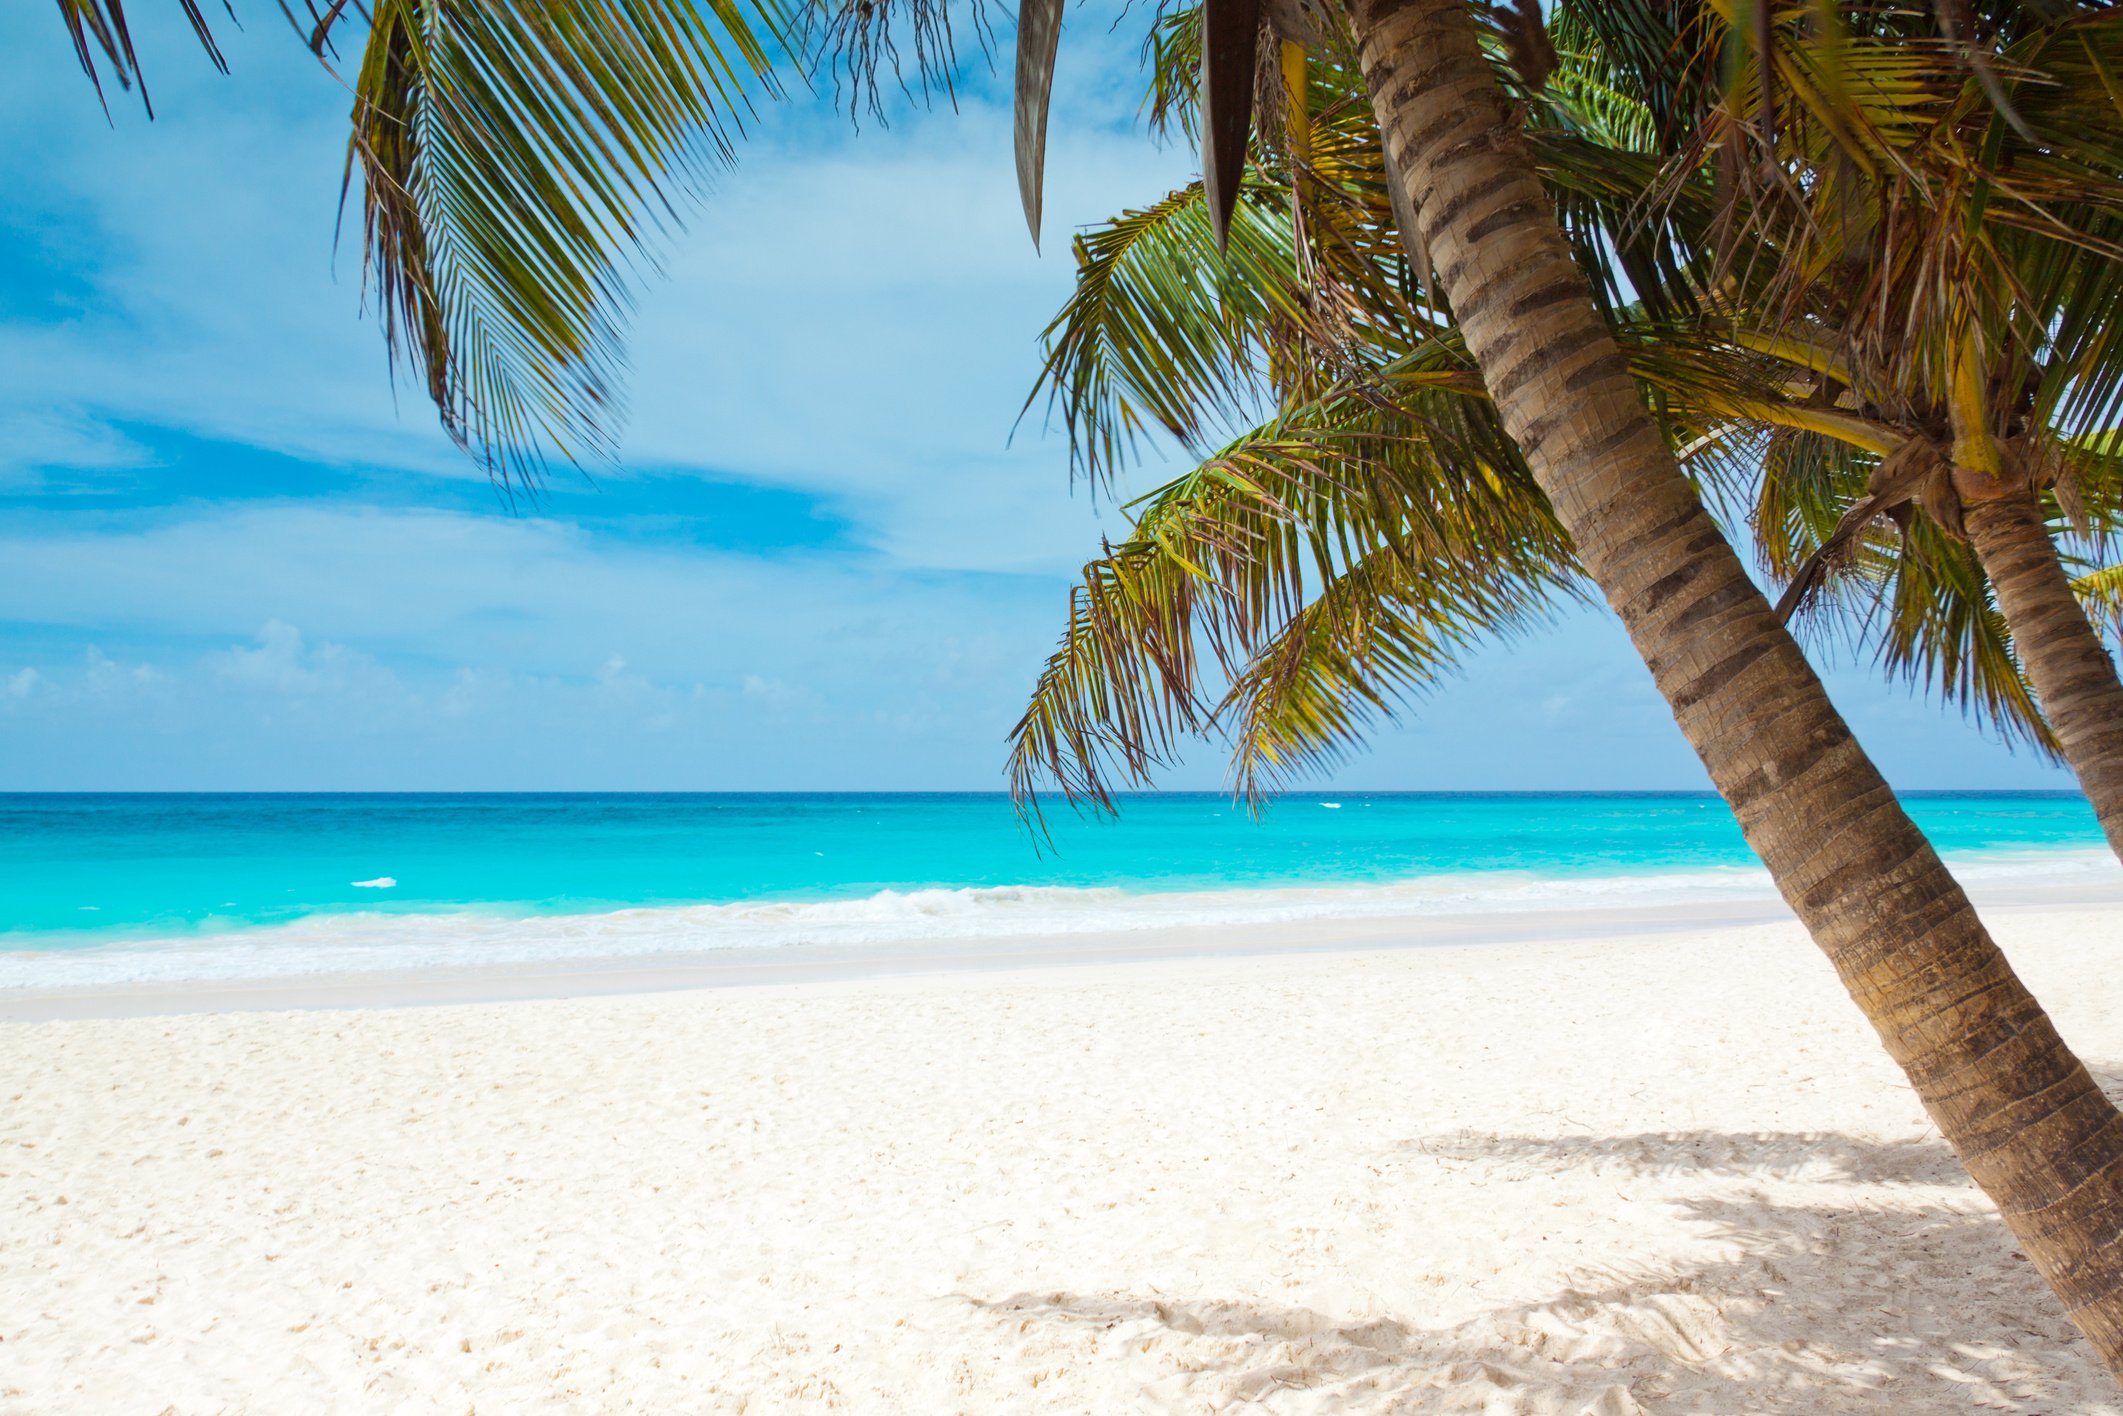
[(1668, 1173)]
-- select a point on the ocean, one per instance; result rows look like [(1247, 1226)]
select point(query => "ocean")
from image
[(126, 888)]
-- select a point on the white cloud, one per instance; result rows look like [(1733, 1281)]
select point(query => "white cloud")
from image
[(35, 440), (281, 663), (524, 650), (767, 690), (105, 675), (534, 596)]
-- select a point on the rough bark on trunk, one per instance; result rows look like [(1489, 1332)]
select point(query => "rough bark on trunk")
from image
[(2069, 666), (2021, 1111)]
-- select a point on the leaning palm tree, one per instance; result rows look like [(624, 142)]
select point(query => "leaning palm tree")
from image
[(542, 137), (1482, 238)]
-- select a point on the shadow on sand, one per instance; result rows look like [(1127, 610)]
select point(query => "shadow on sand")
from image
[(1907, 1304)]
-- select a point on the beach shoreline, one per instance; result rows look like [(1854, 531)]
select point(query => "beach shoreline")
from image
[(740, 967)]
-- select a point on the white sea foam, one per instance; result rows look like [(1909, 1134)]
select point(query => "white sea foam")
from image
[(373, 941)]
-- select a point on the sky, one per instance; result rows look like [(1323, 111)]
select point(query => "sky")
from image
[(231, 558)]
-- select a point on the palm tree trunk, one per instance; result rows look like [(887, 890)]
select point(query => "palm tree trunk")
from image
[(2025, 1117), (2070, 668)]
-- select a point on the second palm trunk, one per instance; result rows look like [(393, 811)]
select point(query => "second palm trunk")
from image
[(2065, 660)]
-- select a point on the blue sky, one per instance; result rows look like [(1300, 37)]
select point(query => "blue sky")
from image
[(230, 560)]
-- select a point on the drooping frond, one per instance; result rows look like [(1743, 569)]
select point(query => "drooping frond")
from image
[(1384, 630), (1903, 590), (1038, 33), (516, 160), (1306, 576), (1159, 330), (1941, 632), (99, 27), (1231, 32), (513, 160), (911, 45)]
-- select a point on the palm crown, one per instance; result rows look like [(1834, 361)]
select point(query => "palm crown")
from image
[(1312, 309)]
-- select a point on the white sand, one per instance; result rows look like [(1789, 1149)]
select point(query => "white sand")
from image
[(1672, 1174)]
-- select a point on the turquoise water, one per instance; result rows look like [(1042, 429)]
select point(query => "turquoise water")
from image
[(153, 874)]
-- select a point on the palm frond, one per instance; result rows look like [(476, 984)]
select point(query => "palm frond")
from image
[(1164, 331), (516, 162), (2101, 593), (1336, 558), (1941, 632), (1385, 630), (910, 45), (513, 160), (1038, 33)]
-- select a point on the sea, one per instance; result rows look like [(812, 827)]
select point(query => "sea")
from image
[(113, 889)]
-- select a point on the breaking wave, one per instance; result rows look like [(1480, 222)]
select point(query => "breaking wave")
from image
[(363, 942)]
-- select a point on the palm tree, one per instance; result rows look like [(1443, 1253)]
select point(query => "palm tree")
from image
[(2021, 1111), (1309, 302), (1317, 298), (1948, 270)]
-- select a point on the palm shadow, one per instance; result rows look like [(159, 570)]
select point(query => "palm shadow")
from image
[(1915, 1306)]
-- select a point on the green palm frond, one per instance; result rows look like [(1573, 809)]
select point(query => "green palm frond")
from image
[(1166, 332), (1941, 632), (1160, 332), (2101, 592), (516, 161), (1384, 630), (1311, 572), (512, 160)]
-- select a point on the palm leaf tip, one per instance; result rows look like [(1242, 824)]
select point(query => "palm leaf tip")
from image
[(103, 23), (1038, 33)]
